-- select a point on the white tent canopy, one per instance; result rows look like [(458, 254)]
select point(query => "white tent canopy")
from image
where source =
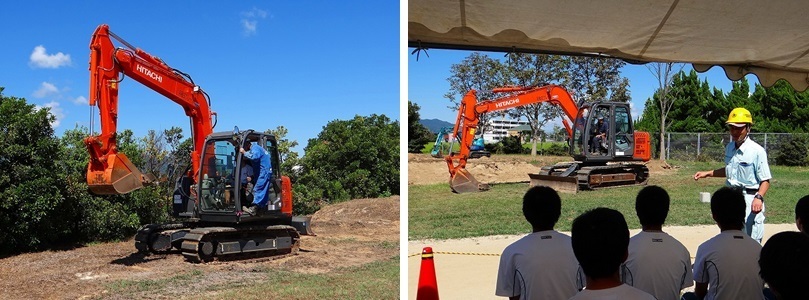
[(767, 38)]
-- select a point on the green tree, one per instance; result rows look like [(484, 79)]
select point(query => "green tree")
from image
[(349, 159), (779, 108), (477, 72), (289, 158), (533, 70), (417, 134), (31, 187), (595, 79)]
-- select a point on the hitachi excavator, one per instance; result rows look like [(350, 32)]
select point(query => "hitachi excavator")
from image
[(603, 149), (210, 194)]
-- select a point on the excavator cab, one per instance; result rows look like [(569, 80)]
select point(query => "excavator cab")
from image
[(604, 133), (221, 189)]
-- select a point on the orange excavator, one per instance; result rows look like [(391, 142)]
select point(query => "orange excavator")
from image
[(601, 139), (210, 195)]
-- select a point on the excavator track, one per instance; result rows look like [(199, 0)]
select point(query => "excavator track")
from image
[(207, 244), (157, 238), (570, 177)]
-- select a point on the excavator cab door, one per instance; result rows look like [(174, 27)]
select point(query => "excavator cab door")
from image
[(599, 132), (218, 173), (609, 139), (623, 141)]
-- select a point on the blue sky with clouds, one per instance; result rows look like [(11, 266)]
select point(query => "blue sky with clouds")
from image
[(427, 82), (299, 64)]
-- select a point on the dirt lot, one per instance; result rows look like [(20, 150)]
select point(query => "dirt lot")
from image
[(425, 169), (349, 234)]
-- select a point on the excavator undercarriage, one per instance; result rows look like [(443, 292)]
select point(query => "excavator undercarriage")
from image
[(204, 243), (572, 177)]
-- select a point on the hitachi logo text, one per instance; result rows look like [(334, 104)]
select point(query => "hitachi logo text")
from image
[(149, 73), (509, 102)]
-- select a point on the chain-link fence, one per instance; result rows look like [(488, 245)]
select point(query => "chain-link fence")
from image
[(711, 146)]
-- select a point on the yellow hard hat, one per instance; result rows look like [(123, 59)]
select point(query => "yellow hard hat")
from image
[(740, 115)]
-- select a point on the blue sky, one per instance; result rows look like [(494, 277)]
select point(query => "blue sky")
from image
[(427, 82), (299, 64)]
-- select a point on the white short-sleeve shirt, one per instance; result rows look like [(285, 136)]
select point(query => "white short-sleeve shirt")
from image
[(621, 292), (747, 166), (540, 265), (728, 262), (657, 264)]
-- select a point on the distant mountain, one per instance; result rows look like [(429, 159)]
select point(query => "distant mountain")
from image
[(434, 125)]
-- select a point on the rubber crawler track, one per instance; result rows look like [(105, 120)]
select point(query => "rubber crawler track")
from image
[(194, 240)]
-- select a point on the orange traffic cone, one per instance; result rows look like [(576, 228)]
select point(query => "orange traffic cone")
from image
[(428, 287)]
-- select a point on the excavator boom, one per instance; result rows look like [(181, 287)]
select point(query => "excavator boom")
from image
[(110, 171), (466, 124)]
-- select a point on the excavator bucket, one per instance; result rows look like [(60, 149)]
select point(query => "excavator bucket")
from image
[(119, 177), (464, 182)]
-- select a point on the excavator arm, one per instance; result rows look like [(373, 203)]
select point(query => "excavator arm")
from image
[(469, 112), (109, 171)]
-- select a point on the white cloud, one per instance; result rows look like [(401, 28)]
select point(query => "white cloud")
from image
[(56, 111), (249, 27), (250, 20), (255, 13), (46, 89), (80, 100), (41, 59)]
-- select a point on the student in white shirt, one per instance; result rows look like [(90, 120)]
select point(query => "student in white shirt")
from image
[(725, 266), (657, 264), (600, 238), (540, 265)]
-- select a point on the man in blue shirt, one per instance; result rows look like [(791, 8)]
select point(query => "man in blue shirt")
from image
[(747, 169), (260, 159)]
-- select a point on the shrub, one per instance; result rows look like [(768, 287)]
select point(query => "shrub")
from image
[(512, 145), (794, 152), (556, 149)]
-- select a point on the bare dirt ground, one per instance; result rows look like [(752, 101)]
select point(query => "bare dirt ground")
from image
[(349, 234), (425, 169)]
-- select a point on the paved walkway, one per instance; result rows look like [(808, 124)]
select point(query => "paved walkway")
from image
[(468, 273)]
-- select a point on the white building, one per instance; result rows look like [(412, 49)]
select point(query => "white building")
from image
[(498, 127)]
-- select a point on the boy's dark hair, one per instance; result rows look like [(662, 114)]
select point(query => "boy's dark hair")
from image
[(600, 238), (727, 207), (784, 264), (802, 211), (541, 207), (652, 205)]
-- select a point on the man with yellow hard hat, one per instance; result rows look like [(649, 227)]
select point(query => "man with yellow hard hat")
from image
[(746, 168)]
